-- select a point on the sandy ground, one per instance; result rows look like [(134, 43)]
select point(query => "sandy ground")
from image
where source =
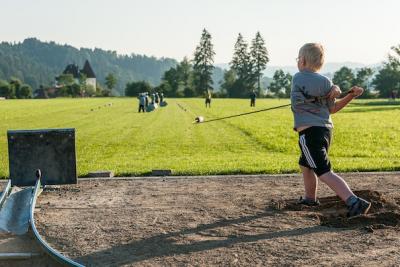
[(26, 243), (224, 221)]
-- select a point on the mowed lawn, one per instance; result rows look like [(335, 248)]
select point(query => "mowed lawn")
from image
[(118, 138)]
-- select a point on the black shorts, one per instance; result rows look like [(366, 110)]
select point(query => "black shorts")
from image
[(314, 145)]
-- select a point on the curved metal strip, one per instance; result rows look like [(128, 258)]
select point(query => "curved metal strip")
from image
[(49, 250), (5, 193)]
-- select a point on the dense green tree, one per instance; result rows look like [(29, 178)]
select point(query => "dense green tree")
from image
[(281, 84), (74, 90), (111, 81), (178, 80), (90, 90), (134, 88), (84, 90), (230, 84), (65, 79), (6, 90), (388, 78), (189, 92), (172, 78), (203, 64), (102, 92), (16, 85), (242, 65), (184, 72), (344, 78), (362, 77), (164, 88), (259, 58), (25, 91)]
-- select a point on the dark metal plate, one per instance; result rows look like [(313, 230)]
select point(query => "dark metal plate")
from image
[(50, 150)]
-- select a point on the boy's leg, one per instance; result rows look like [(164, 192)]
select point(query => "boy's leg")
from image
[(314, 145), (310, 183), (315, 154), (337, 184), (356, 205)]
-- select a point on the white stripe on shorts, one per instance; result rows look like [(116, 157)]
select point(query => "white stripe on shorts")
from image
[(306, 152)]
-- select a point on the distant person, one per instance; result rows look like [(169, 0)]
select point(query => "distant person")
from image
[(142, 102), (152, 97), (147, 99), (393, 95), (157, 98), (208, 98), (163, 103), (314, 125), (253, 98), (161, 97)]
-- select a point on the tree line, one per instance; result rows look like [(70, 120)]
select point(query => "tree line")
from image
[(194, 77), (15, 89), (37, 63), (381, 83)]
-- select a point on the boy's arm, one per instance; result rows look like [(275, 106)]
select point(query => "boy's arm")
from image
[(334, 92), (354, 92)]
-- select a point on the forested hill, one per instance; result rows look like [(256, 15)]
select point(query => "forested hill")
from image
[(37, 63)]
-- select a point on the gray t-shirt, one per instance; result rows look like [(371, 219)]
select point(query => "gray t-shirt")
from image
[(307, 85)]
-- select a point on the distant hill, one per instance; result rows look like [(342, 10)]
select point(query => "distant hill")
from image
[(37, 63)]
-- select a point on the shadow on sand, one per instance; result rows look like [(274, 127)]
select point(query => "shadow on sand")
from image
[(164, 244)]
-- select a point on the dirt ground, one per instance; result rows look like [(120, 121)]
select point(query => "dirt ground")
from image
[(220, 220), (24, 244)]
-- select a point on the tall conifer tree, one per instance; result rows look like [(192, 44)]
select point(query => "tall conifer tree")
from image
[(242, 65), (203, 64), (259, 58)]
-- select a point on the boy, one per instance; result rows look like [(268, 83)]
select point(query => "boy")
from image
[(313, 100)]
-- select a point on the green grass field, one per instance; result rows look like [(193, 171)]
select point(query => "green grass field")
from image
[(117, 138)]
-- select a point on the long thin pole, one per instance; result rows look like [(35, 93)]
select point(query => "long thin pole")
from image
[(266, 109), (247, 113)]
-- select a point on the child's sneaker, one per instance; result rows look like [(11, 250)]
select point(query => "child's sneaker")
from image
[(360, 207), (308, 202)]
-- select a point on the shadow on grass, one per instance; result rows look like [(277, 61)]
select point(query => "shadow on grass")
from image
[(377, 103), (162, 245), (368, 109)]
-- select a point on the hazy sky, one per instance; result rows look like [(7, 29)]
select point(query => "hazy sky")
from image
[(351, 30)]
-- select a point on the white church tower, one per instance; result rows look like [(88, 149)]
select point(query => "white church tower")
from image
[(90, 76)]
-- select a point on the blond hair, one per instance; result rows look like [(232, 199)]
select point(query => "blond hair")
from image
[(313, 54)]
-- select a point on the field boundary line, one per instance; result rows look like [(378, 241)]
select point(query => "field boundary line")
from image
[(224, 176)]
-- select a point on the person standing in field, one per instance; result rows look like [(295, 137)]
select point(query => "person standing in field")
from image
[(146, 95), (314, 125), (253, 98), (161, 97), (142, 102), (208, 98), (394, 95)]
